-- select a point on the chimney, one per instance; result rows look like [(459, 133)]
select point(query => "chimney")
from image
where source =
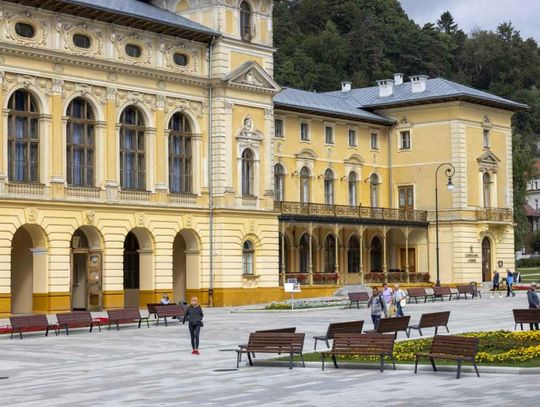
[(346, 86), (386, 87), (418, 83), (398, 79)]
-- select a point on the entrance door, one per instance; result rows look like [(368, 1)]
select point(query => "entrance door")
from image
[(406, 201), (94, 297), (412, 259), (79, 280), (486, 259), (85, 273)]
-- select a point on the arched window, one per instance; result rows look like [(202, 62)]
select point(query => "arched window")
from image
[(353, 189), (279, 183), (376, 255), (23, 138), (248, 252), (330, 254), (131, 262), (374, 190), (80, 143), (247, 173), (132, 149), (329, 187), (486, 181), (180, 154), (303, 251), (353, 255), (245, 21), (304, 185)]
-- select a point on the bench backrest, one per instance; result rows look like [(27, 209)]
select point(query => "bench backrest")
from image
[(24, 321), (434, 319), (387, 325), (527, 315), (344, 327), (151, 307), (371, 343), (124, 313), (74, 317), (276, 342), (442, 290), (455, 345), (359, 296), (416, 292), (291, 330), (465, 289), (170, 310)]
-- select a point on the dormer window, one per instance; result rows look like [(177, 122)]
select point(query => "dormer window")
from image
[(134, 51), (25, 30), (245, 21)]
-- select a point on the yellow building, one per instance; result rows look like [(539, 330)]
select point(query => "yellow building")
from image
[(143, 150)]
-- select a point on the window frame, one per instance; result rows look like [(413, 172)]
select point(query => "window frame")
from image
[(281, 133), (355, 138), (353, 197), (374, 136), (307, 133), (246, 17), (137, 152), (184, 136), (486, 138), (305, 185), (405, 140), (248, 258), (279, 182), (248, 173), (329, 134), (329, 187)]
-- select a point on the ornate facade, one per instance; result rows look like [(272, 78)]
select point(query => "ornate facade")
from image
[(144, 151)]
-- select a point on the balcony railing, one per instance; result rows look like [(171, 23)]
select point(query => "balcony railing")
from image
[(495, 215), (26, 190), (135, 196), (249, 201), (183, 199), (83, 193), (343, 211)]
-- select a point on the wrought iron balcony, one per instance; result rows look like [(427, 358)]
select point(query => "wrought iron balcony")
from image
[(495, 215), (354, 213)]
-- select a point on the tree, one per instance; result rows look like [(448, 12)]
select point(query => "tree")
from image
[(447, 24)]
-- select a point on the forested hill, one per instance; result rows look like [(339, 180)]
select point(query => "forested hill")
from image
[(322, 42)]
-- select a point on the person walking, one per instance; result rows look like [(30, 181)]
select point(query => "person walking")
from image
[(534, 303), (378, 307), (509, 283), (399, 299), (496, 284), (194, 314)]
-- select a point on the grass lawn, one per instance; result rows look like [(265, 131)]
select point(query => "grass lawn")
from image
[(528, 275)]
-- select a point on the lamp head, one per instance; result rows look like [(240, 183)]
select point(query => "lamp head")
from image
[(450, 185)]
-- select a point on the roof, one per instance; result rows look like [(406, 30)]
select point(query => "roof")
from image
[(131, 13), (324, 104), (530, 211), (437, 90)]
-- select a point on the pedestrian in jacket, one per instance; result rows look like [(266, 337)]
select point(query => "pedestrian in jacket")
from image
[(496, 283), (399, 298), (194, 314), (509, 283), (378, 307), (534, 302)]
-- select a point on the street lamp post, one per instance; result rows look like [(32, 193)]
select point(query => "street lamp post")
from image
[(449, 172)]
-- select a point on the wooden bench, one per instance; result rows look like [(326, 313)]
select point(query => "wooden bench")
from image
[(464, 290), (30, 323), (76, 319), (432, 320), (441, 292), (171, 311), (458, 348), (273, 342), (151, 307), (415, 293), (126, 315), (361, 344), (339, 327), (290, 330), (389, 325), (358, 298), (526, 316)]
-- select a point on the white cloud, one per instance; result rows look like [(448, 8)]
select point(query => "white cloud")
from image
[(483, 14)]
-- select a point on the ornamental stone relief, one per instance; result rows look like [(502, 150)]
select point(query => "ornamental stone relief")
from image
[(12, 81), (197, 108), (121, 40), (192, 53), (40, 26), (96, 39)]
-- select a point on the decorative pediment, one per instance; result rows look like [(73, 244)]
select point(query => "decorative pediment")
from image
[(306, 154), (250, 75), (488, 161), (355, 159)]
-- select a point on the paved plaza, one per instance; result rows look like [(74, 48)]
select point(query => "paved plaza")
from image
[(154, 367)]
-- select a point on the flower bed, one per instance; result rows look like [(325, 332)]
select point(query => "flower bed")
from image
[(396, 277), (305, 304)]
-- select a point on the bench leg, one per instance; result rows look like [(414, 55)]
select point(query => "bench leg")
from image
[(436, 330), (302, 357), (249, 359), (393, 361), (521, 326), (382, 362), (117, 326), (67, 330), (238, 356), (416, 365), (350, 305), (99, 327), (458, 369), (420, 331), (166, 321), (157, 321), (315, 346), (476, 368), (327, 343), (357, 304), (447, 330), (408, 333), (335, 361), (20, 334), (433, 364), (147, 323)]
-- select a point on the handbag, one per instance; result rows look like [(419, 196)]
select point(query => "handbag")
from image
[(392, 310), (202, 324)]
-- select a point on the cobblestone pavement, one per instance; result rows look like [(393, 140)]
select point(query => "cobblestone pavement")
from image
[(154, 367)]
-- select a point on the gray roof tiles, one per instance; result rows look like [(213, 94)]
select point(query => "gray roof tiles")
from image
[(436, 88), (324, 103)]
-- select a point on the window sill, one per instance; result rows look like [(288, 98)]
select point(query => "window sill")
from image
[(353, 146), (330, 144), (404, 150), (251, 276), (305, 141), (375, 150)]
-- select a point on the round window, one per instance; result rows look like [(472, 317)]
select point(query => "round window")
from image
[(25, 30), (180, 59), (82, 41), (133, 50)]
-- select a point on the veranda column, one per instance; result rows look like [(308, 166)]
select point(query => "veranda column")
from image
[(283, 254), (385, 272), (111, 149), (361, 234), (407, 255), (310, 254), (336, 252)]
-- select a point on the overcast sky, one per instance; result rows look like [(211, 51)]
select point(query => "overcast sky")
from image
[(484, 14)]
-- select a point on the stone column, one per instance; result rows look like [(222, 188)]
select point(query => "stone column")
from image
[(385, 270), (407, 254), (361, 241), (111, 147), (310, 262), (58, 150)]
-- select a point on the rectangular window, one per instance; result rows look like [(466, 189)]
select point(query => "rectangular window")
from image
[(374, 141), (279, 128), (352, 138), (329, 135), (304, 131), (405, 140), (486, 138)]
